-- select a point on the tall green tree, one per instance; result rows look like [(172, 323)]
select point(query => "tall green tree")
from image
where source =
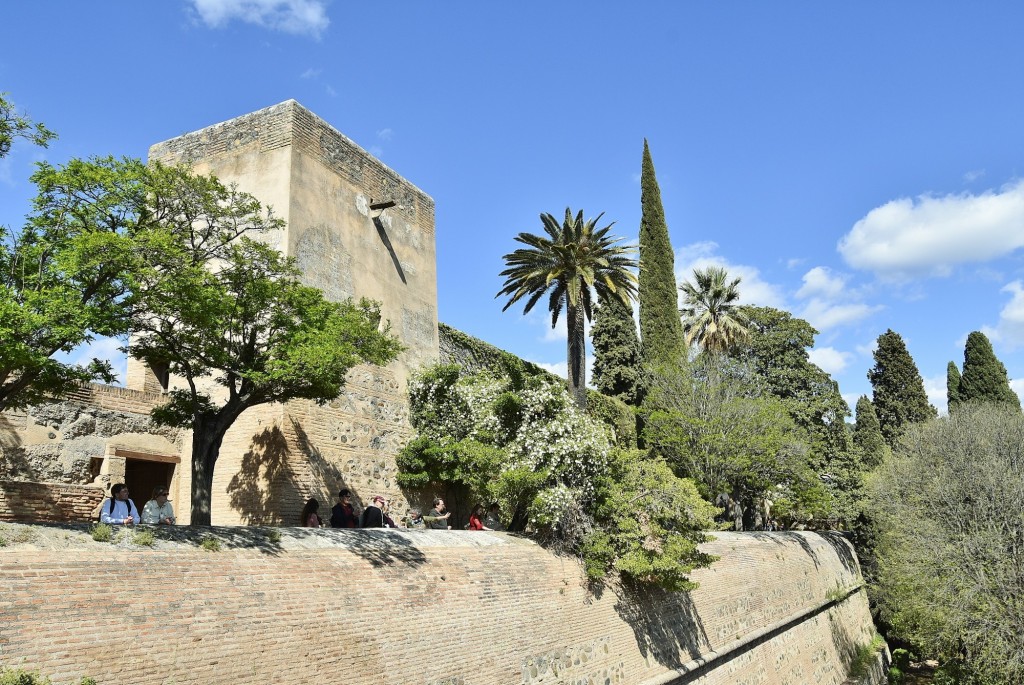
[(227, 314), (898, 389), (574, 260), (661, 331), (984, 378), (65, 278), (711, 315), (14, 124), (616, 351), (867, 434), (952, 386)]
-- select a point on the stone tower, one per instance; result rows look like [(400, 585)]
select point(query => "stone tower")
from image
[(331, 193)]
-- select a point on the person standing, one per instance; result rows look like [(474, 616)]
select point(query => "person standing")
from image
[(118, 509), (438, 518), (158, 511), (373, 515), (309, 517), (476, 521), (342, 514)]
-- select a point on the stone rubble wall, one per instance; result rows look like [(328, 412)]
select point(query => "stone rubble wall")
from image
[(422, 607)]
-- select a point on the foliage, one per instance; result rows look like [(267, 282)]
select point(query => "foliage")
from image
[(572, 260), (16, 125), (210, 543), (616, 415), (482, 356), (984, 377), (899, 397), (711, 318), (552, 469), (952, 386), (143, 538), (867, 435), (649, 524), (661, 330), (101, 532), (949, 575), (274, 536), (864, 657), (65, 278), (616, 352), (714, 422)]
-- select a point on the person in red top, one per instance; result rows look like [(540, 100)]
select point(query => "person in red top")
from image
[(476, 518)]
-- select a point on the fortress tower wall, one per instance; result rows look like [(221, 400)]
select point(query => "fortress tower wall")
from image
[(323, 185), (423, 608)]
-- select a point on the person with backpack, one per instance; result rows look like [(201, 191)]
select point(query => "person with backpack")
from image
[(118, 509)]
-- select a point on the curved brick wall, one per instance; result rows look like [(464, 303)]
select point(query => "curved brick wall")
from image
[(426, 607)]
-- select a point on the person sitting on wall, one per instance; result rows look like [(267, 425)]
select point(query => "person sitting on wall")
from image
[(416, 519), (438, 518), (476, 521), (309, 517), (493, 519), (158, 511), (118, 509), (342, 514), (373, 515)]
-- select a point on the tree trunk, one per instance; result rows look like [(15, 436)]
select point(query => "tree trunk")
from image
[(577, 355), (207, 435)]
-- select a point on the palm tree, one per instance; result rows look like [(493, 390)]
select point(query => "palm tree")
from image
[(571, 261), (711, 316)]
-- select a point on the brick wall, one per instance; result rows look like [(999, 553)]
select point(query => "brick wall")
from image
[(423, 607), (25, 501)]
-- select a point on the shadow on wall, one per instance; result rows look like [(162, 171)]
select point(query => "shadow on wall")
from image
[(842, 548), (647, 610)]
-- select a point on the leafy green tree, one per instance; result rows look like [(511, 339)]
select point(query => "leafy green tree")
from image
[(573, 260), (661, 331), (948, 513), (66, 277), (616, 351), (899, 397), (714, 422), (984, 378), (15, 125), (867, 434), (649, 524), (227, 314), (711, 317), (952, 386)]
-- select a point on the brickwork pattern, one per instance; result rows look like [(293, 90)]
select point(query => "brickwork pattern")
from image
[(59, 502), (423, 607)]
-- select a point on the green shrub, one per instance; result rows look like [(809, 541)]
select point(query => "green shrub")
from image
[(210, 544), (19, 677), (894, 676), (274, 535), (102, 532), (901, 659), (864, 657), (143, 538)]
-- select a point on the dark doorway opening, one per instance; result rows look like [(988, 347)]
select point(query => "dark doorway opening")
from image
[(141, 476)]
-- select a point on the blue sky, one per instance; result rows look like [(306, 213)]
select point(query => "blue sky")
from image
[(858, 164)]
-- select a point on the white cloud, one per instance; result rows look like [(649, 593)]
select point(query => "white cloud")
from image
[(559, 369), (753, 289), (1010, 329), (974, 175), (867, 349), (1018, 387), (930, 235), (831, 360), (819, 281), (935, 388), (824, 315), (311, 73), (558, 333), (291, 16), (385, 134), (794, 262)]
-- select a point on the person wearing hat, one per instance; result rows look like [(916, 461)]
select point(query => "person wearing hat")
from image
[(373, 515), (158, 511)]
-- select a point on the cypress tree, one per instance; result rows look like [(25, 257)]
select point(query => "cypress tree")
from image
[(661, 329), (616, 351), (899, 397), (952, 386), (867, 434), (984, 378)]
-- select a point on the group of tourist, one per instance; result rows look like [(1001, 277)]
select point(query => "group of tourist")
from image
[(119, 509), (377, 515)]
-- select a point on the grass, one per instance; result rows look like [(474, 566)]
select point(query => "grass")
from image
[(864, 657), (210, 544), (144, 538), (274, 535), (14, 537), (102, 532)]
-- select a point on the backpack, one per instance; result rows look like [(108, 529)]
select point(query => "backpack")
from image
[(110, 512)]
